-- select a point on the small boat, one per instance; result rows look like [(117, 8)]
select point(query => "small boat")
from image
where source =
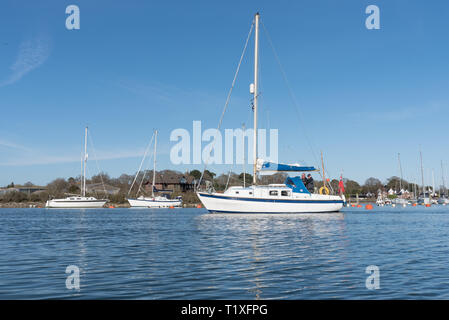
[(380, 201), (425, 199), (442, 199), (290, 197), (153, 201), (80, 201), (76, 202), (400, 200)]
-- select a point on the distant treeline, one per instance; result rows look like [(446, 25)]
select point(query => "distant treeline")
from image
[(62, 187)]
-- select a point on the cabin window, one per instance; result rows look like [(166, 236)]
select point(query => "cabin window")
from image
[(237, 192), (285, 193), (250, 192), (273, 192)]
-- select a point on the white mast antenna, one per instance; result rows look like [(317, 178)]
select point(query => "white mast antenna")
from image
[(255, 93), (400, 171), (442, 176), (85, 160), (422, 175), (244, 158), (154, 163), (433, 182)]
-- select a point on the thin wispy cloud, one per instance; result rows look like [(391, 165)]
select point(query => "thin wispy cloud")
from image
[(32, 54), (150, 92), (166, 96), (12, 145), (50, 159), (398, 114)]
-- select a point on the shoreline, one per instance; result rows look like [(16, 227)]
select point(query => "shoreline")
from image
[(31, 205)]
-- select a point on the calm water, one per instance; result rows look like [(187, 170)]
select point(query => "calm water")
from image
[(190, 254)]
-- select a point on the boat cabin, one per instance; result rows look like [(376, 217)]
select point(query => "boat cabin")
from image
[(277, 191)]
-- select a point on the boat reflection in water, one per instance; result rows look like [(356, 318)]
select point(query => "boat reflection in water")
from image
[(284, 250)]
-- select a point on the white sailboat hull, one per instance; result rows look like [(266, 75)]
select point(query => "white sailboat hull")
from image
[(314, 203), (154, 203), (75, 204)]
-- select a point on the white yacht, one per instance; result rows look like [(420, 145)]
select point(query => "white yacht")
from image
[(290, 197), (153, 201), (80, 201), (76, 202)]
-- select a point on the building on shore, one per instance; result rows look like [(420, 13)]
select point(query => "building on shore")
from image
[(170, 182), (25, 189)]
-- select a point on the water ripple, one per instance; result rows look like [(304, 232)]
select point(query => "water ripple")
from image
[(189, 254)]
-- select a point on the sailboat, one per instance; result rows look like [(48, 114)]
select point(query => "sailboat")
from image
[(443, 199), (290, 197), (154, 201), (79, 201), (425, 199), (400, 200)]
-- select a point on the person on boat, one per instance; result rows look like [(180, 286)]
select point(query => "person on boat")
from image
[(304, 179), (309, 183)]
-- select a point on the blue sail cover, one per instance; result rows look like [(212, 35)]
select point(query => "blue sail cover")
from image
[(296, 184), (270, 166)]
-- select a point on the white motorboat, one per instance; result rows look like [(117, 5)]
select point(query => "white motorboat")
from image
[(401, 202)]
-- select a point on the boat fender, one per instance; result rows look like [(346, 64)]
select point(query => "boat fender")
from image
[(325, 189)]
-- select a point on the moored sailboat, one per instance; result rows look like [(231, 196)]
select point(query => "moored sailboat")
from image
[(425, 198), (290, 197), (78, 201), (153, 201)]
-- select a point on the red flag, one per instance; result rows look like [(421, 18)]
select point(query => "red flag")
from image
[(341, 185)]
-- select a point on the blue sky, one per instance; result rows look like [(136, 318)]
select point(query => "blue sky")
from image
[(134, 66)]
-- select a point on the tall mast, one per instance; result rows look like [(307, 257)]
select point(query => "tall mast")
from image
[(322, 166), (433, 182), (154, 163), (400, 171), (442, 176), (414, 189), (81, 173), (244, 158), (84, 164), (256, 76), (422, 175)]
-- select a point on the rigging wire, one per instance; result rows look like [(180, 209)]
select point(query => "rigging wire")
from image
[(228, 97), (141, 163), (144, 174), (292, 95), (96, 161)]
